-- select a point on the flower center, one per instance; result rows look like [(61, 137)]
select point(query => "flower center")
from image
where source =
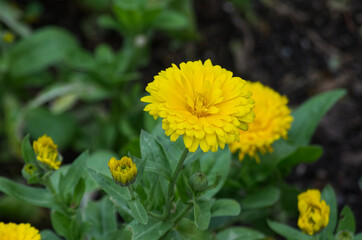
[(198, 105), (123, 168)]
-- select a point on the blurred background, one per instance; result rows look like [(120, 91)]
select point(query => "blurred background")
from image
[(75, 70)]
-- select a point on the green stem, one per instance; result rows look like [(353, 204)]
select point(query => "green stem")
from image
[(155, 215), (48, 184), (182, 213), (131, 192), (171, 187), (178, 218)]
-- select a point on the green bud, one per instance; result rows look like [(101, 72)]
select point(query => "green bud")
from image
[(30, 173), (344, 235), (198, 182)]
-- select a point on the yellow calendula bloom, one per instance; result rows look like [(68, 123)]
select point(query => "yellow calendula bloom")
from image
[(272, 121), (47, 152), (22, 231), (314, 212), (203, 103), (123, 171)]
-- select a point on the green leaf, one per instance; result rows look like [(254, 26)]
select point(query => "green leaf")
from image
[(80, 86), (330, 197), (308, 115), (171, 20), (36, 196), (80, 60), (202, 213), (10, 15), (288, 197), (61, 128), (240, 233), (264, 197), (307, 154), (78, 192), (186, 230), (157, 168), (119, 195), (141, 164), (108, 216), (346, 221), (153, 150), (358, 236), (123, 234), (252, 172), (99, 161), (152, 231), (101, 216), (216, 166), (60, 223), (49, 235), (27, 151), (288, 232), (182, 189), (138, 210), (225, 207), (72, 176), (48, 46)]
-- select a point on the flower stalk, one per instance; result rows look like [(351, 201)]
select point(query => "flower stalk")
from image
[(171, 186)]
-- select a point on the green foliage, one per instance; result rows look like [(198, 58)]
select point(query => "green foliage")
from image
[(202, 213), (153, 230), (120, 196), (49, 235), (307, 116), (330, 197), (263, 197), (225, 207), (240, 233), (36, 196), (48, 46), (101, 216), (27, 151), (73, 176), (347, 221), (138, 211), (288, 232)]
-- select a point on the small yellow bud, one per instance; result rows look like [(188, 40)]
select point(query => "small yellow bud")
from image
[(8, 37), (123, 171), (314, 212), (47, 152)]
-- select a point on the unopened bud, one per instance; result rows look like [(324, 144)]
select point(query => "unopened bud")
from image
[(198, 182), (344, 235)]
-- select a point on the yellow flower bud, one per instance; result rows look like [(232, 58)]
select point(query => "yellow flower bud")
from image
[(8, 37), (314, 212), (47, 152), (123, 171)]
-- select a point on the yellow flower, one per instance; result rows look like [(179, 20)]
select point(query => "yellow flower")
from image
[(202, 102), (47, 152), (123, 171), (272, 121), (22, 231), (314, 213)]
